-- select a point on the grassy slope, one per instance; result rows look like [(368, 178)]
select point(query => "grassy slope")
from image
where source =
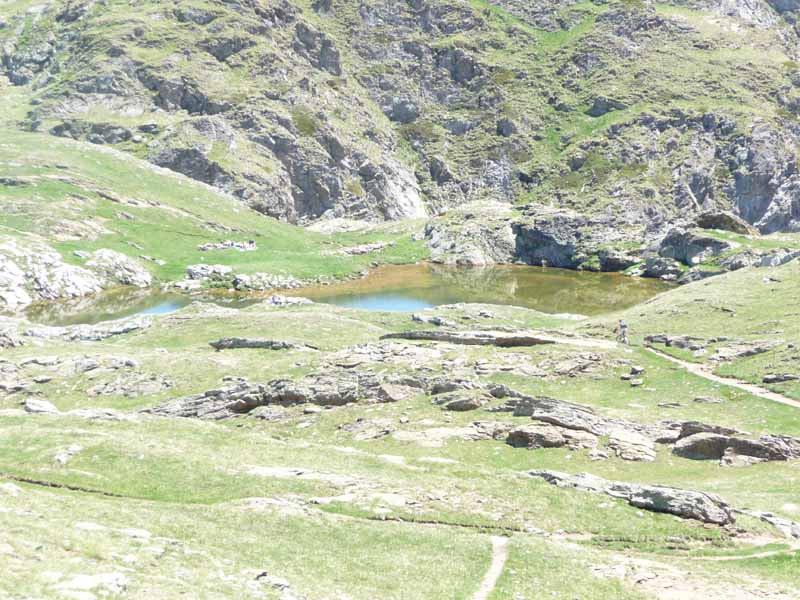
[(170, 469), (750, 305), (184, 481), (63, 184)]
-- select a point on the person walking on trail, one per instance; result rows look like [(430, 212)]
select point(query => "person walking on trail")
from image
[(622, 332)]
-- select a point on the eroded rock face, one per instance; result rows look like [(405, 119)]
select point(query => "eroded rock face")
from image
[(317, 48), (766, 187), (688, 504), (312, 139)]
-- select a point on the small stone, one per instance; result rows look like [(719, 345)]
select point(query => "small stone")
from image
[(10, 489), (780, 378), (34, 406), (708, 400), (89, 526), (139, 534)]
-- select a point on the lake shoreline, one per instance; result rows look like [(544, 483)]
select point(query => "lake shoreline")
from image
[(392, 288)]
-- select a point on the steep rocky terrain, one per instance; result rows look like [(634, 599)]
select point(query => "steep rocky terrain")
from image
[(624, 116)]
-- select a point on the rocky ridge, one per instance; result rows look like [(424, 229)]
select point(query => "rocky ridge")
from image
[(433, 123)]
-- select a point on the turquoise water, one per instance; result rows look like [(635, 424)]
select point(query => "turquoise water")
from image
[(163, 308)]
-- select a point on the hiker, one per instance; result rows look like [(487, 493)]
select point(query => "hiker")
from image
[(622, 332)]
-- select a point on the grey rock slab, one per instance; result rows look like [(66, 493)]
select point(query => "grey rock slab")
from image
[(688, 504)]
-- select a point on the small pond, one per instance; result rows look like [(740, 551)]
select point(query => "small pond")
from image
[(395, 288), (415, 287)]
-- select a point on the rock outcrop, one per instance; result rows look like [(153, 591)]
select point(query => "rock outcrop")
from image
[(687, 504), (475, 338), (373, 112), (256, 344), (32, 271), (118, 268), (241, 397), (715, 446), (90, 333)]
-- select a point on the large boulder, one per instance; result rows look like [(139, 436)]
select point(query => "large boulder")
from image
[(691, 248), (463, 400), (725, 221), (40, 407), (660, 267), (603, 105), (543, 435), (630, 445), (714, 446)]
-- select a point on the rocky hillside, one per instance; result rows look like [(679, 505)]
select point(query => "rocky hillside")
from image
[(630, 113)]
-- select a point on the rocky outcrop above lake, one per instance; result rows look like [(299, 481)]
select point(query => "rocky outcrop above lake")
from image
[(32, 271), (119, 268), (375, 112)]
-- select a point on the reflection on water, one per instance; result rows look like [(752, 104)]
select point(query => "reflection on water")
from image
[(393, 288), (413, 287), (115, 304), (121, 303)]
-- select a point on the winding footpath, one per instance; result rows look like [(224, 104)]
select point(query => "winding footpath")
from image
[(499, 557), (703, 371)]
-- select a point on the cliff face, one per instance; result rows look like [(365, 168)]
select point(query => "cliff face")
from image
[(631, 113)]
